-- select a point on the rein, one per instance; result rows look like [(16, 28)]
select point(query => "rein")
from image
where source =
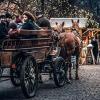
[(76, 33)]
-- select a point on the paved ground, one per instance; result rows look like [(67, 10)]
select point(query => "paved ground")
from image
[(87, 88)]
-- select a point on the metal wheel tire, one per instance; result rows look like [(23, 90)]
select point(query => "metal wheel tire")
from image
[(1, 72), (59, 72), (14, 77), (15, 72), (29, 77)]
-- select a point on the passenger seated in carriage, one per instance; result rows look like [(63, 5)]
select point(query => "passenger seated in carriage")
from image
[(42, 21), (3, 29), (28, 23)]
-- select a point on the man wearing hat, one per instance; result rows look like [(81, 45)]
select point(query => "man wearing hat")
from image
[(42, 21)]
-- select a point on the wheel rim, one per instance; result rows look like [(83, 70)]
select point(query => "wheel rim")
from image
[(30, 77), (15, 77), (15, 73), (61, 73)]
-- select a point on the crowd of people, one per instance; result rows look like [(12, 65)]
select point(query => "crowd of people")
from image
[(28, 21)]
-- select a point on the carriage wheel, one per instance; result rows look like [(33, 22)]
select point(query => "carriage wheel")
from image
[(59, 72), (1, 72), (14, 77), (15, 72), (29, 77)]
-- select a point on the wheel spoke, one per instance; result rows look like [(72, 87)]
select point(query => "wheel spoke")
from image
[(30, 86), (60, 72), (29, 79)]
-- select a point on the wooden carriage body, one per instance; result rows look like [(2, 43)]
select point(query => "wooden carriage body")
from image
[(38, 45)]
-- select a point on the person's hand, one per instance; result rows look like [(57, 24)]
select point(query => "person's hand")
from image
[(12, 32)]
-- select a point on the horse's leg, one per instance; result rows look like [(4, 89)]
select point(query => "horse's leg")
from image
[(77, 67), (70, 67), (50, 76), (70, 72), (67, 68)]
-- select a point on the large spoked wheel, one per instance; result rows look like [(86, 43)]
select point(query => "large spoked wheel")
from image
[(29, 77), (59, 71), (15, 71)]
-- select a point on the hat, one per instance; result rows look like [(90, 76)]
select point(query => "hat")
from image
[(13, 25), (8, 15), (38, 13), (29, 15), (2, 16)]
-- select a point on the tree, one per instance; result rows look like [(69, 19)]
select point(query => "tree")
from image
[(1, 1), (21, 5)]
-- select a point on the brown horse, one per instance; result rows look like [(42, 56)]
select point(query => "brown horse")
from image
[(70, 45)]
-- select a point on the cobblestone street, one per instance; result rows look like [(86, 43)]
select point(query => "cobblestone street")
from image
[(87, 88)]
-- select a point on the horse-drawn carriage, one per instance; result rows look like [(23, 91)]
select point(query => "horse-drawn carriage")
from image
[(26, 58), (33, 52)]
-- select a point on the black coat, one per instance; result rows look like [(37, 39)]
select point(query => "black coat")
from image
[(43, 22), (95, 48), (3, 30), (29, 25)]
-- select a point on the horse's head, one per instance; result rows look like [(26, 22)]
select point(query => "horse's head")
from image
[(75, 24), (59, 27)]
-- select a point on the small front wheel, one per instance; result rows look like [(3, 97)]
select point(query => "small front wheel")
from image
[(59, 71), (29, 77), (15, 72)]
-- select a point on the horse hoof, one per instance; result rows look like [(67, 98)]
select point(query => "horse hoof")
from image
[(40, 81), (50, 78), (68, 81), (70, 78), (77, 78)]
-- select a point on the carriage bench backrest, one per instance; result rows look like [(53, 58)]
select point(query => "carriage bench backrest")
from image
[(39, 43), (39, 33), (36, 38)]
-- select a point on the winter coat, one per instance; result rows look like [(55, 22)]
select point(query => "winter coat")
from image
[(43, 22), (29, 25), (3, 30)]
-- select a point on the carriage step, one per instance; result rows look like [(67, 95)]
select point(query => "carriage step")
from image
[(4, 66), (44, 73), (48, 60), (4, 79)]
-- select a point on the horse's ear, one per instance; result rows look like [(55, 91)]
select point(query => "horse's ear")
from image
[(72, 21), (63, 23), (78, 21)]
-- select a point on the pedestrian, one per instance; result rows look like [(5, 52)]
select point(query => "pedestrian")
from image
[(42, 21), (83, 54), (94, 42)]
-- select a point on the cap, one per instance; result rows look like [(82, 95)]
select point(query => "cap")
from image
[(8, 15), (38, 13), (2, 16)]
